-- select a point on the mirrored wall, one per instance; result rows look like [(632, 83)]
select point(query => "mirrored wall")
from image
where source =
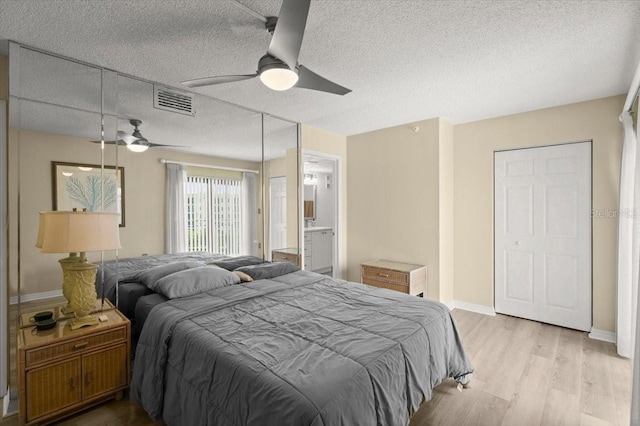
[(66, 114), (71, 126)]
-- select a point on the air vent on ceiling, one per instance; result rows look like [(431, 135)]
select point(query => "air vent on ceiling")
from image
[(173, 100)]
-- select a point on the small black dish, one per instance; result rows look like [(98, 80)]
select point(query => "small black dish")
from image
[(46, 324), (43, 316)]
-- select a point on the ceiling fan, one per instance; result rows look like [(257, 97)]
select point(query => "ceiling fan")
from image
[(135, 141), (278, 69)]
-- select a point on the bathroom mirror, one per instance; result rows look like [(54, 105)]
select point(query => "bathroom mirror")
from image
[(309, 197)]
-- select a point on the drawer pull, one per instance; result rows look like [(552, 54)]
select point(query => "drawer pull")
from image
[(383, 275), (80, 345), (73, 383)]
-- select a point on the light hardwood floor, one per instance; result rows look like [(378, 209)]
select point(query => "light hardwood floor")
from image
[(526, 373)]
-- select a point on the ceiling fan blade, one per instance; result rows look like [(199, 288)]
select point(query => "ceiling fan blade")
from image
[(123, 138), (287, 37), (209, 81), (308, 79), (159, 145), (119, 142), (251, 12)]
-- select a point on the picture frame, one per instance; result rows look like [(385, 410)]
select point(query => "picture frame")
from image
[(78, 185)]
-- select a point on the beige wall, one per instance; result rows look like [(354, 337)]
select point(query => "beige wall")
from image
[(474, 146), (445, 203), (318, 140), (393, 198), (144, 199)]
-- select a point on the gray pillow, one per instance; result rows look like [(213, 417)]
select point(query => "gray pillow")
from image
[(193, 281), (237, 262), (150, 276), (268, 270)]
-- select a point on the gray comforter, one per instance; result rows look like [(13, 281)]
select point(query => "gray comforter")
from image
[(300, 349)]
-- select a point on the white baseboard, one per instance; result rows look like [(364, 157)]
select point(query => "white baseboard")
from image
[(35, 296), (472, 307), (605, 336)]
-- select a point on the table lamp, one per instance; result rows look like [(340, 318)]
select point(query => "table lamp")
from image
[(78, 232)]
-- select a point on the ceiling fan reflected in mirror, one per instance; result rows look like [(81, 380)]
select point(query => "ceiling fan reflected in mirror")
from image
[(140, 143), (278, 69), (135, 142)]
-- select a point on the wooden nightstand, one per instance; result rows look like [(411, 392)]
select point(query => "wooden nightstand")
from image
[(290, 255), (403, 277), (62, 371)]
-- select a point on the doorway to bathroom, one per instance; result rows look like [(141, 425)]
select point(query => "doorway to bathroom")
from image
[(321, 218)]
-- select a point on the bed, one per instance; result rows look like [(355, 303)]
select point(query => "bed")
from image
[(124, 273), (291, 347)]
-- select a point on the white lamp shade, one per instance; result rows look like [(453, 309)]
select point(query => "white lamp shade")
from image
[(68, 232), (41, 230), (279, 78)]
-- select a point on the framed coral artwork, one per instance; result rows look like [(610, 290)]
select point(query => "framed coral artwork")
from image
[(88, 186)]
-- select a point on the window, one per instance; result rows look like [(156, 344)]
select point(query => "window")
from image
[(214, 215)]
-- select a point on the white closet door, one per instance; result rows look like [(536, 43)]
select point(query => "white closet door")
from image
[(543, 234), (278, 213)]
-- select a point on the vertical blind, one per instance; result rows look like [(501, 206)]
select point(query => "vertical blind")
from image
[(214, 215)]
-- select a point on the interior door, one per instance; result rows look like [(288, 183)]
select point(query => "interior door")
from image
[(278, 213), (543, 234)]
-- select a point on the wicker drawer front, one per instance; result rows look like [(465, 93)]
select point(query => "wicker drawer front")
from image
[(385, 274), (404, 288), (285, 257), (48, 353)]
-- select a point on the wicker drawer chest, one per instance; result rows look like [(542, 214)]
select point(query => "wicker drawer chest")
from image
[(403, 277), (290, 255), (62, 371)]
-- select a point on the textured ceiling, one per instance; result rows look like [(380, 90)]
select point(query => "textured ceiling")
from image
[(404, 60)]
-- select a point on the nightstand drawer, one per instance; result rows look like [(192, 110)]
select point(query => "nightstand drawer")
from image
[(403, 288), (285, 257), (48, 353), (385, 275), (399, 276), (289, 254)]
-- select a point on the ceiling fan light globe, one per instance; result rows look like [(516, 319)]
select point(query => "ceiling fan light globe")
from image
[(279, 78), (137, 147)]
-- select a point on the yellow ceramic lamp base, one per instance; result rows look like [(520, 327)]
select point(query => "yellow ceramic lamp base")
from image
[(66, 284), (82, 299)]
